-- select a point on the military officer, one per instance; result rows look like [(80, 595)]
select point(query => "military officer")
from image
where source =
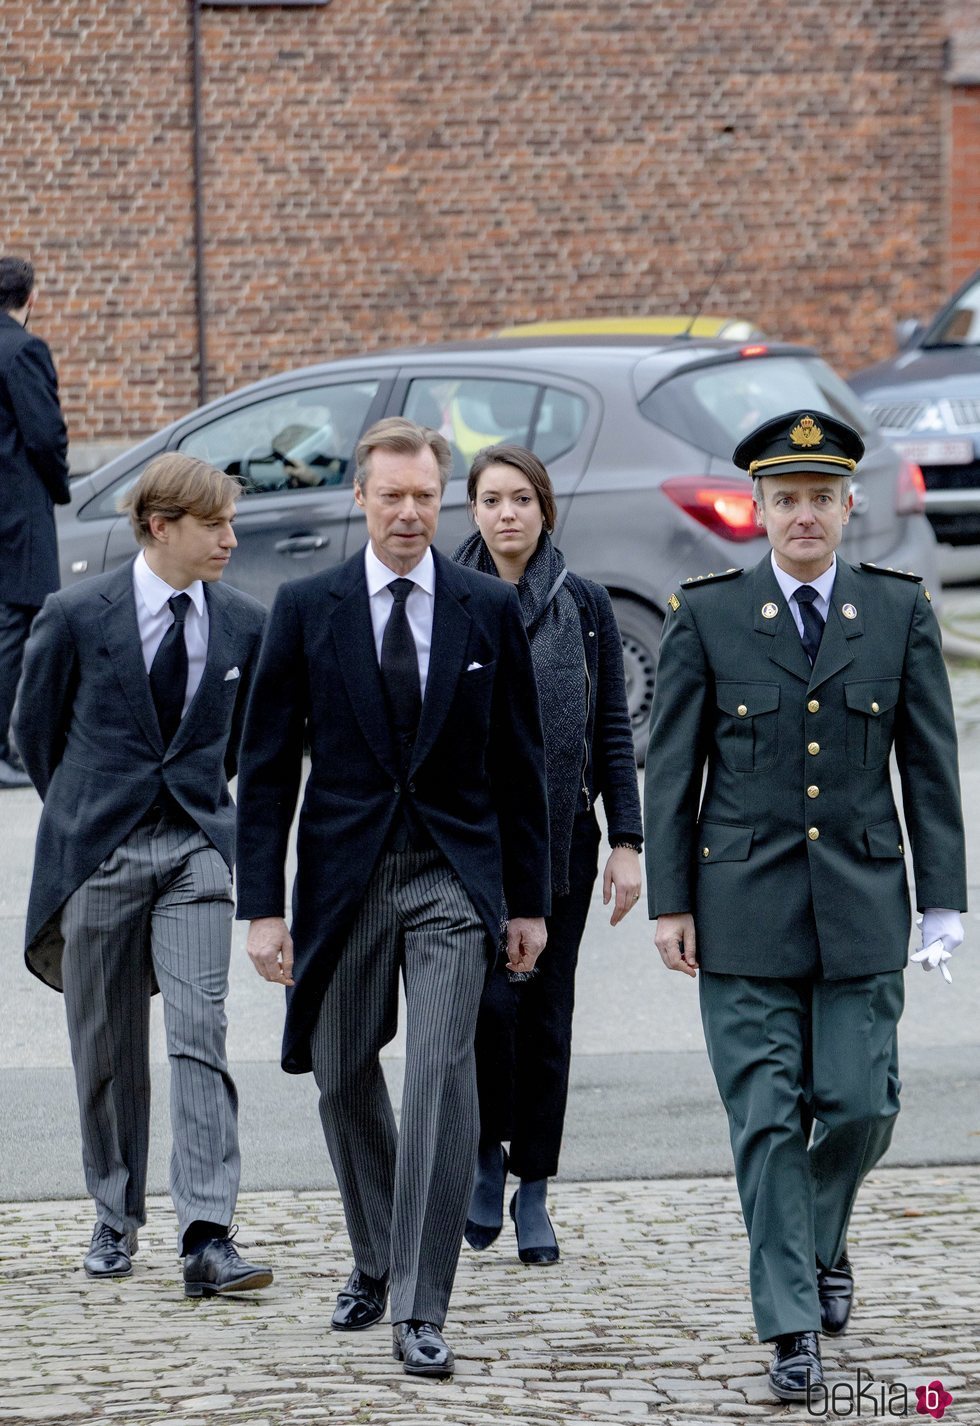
[(785, 881)]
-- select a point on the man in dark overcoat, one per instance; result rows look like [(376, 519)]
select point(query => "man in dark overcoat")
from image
[(33, 479), (784, 880), (129, 717), (425, 807)]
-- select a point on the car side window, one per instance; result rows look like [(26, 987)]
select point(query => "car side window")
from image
[(561, 417), (297, 441), (472, 412)]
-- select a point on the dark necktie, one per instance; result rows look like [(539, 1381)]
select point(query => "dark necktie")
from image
[(812, 620), (168, 672), (400, 669)]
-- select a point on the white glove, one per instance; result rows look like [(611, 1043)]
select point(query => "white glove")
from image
[(942, 932)]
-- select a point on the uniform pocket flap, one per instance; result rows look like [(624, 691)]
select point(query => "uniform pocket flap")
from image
[(745, 700), (872, 695), (722, 842), (885, 839)]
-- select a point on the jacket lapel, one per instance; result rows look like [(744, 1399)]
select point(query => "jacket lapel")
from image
[(350, 623), (835, 652), (786, 646), (120, 629), (450, 640)]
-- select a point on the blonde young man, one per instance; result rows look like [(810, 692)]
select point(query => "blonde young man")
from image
[(128, 719)]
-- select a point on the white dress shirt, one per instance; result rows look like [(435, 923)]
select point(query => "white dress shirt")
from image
[(823, 584), (419, 605), (154, 619)]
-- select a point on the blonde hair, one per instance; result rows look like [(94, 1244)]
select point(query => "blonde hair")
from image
[(174, 485)]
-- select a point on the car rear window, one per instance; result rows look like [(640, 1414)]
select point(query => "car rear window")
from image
[(716, 406)]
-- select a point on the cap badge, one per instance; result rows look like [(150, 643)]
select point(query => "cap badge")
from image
[(806, 433), (769, 611), (848, 611)]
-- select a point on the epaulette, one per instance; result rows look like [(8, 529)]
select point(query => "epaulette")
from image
[(707, 578), (887, 569)]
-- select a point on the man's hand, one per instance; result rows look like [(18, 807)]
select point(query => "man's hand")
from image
[(942, 932), (622, 872), (677, 944), (271, 948), (526, 939)]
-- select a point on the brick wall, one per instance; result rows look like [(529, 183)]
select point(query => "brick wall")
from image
[(384, 171)]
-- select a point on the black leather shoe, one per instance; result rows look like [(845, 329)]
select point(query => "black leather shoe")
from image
[(795, 1366), (110, 1253), (360, 1303), (540, 1254), (421, 1347), (835, 1288), (214, 1268)]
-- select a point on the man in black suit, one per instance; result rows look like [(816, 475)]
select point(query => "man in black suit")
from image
[(33, 479), (128, 718), (425, 808)]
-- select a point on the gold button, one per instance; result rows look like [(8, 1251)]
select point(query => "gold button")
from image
[(705, 852), (813, 834), (813, 790), (813, 706), (813, 748), (742, 710), (875, 708)]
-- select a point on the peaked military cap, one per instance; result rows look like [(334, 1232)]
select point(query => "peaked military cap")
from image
[(802, 442)]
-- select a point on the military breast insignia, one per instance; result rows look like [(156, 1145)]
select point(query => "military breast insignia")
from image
[(806, 434), (848, 611), (674, 603), (769, 611)]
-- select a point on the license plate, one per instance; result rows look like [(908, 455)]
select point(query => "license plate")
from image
[(938, 452)]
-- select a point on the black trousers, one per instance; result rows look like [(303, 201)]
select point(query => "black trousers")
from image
[(524, 1031), (15, 625)]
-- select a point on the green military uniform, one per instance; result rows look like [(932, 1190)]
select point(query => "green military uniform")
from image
[(792, 864)]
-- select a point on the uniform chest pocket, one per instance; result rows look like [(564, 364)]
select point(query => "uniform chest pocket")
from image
[(746, 727), (870, 719)]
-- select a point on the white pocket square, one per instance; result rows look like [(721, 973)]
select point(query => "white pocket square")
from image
[(233, 673), (472, 666)]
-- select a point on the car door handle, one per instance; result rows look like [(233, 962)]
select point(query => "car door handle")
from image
[(301, 544)]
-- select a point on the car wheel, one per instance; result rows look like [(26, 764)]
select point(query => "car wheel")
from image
[(640, 628)]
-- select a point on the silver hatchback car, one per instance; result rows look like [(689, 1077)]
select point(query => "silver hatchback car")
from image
[(636, 432)]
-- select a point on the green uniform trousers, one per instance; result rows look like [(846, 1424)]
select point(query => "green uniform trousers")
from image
[(791, 1056)]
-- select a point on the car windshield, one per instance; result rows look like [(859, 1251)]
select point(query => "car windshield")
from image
[(959, 325), (714, 407)]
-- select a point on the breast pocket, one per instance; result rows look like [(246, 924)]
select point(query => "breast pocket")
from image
[(870, 716), (746, 726)]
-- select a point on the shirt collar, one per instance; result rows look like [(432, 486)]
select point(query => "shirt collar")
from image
[(155, 591), (789, 584), (379, 576)]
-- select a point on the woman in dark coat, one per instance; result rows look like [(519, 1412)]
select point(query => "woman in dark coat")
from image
[(523, 1042)]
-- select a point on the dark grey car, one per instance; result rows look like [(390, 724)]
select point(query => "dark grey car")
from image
[(637, 435)]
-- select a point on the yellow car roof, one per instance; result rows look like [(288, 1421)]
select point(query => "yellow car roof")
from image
[(654, 326)]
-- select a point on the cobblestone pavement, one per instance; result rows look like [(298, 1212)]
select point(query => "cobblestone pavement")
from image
[(645, 1318)]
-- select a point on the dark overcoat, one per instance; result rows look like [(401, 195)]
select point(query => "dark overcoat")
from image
[(33, 466), (476, 779), (88, 733), (793, 860)]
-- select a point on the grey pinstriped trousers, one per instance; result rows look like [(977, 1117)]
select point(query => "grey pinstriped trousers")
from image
[(160, 905), (405, 1193)]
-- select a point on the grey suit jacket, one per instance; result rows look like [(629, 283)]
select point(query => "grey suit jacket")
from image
[(87, 731)]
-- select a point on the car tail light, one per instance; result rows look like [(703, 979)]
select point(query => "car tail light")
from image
[(724, 506), (757, 349), (911, 489)]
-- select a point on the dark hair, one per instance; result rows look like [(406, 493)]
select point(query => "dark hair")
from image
[(528, 464), (16, 283), (174, 485), (395, 433)]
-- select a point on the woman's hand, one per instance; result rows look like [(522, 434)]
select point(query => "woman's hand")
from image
[(622, 872)]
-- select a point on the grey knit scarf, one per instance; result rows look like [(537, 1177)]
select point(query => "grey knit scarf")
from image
[(555, 632)]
